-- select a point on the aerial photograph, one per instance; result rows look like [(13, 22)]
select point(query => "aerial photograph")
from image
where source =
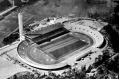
[(59, 39)]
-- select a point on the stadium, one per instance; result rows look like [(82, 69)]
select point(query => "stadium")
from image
[(59, 42)]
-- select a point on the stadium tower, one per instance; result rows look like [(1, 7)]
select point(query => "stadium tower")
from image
[(20, 20)]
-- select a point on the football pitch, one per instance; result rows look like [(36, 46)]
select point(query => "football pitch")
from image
[(62, 46)]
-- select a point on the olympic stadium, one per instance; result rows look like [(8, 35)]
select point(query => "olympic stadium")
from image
[(56, 43)]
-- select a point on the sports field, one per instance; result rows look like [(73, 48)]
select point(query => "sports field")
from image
[(62, 46), (56, 50)]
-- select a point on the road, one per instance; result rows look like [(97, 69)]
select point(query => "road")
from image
[(7, 66), (8, 48)]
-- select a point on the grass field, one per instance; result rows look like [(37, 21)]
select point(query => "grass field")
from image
[(62, 46), (56, 50)]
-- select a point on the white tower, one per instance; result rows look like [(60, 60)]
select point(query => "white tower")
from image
[(20, 20)]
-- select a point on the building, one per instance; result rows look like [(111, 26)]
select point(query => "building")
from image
[(60, 43)]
